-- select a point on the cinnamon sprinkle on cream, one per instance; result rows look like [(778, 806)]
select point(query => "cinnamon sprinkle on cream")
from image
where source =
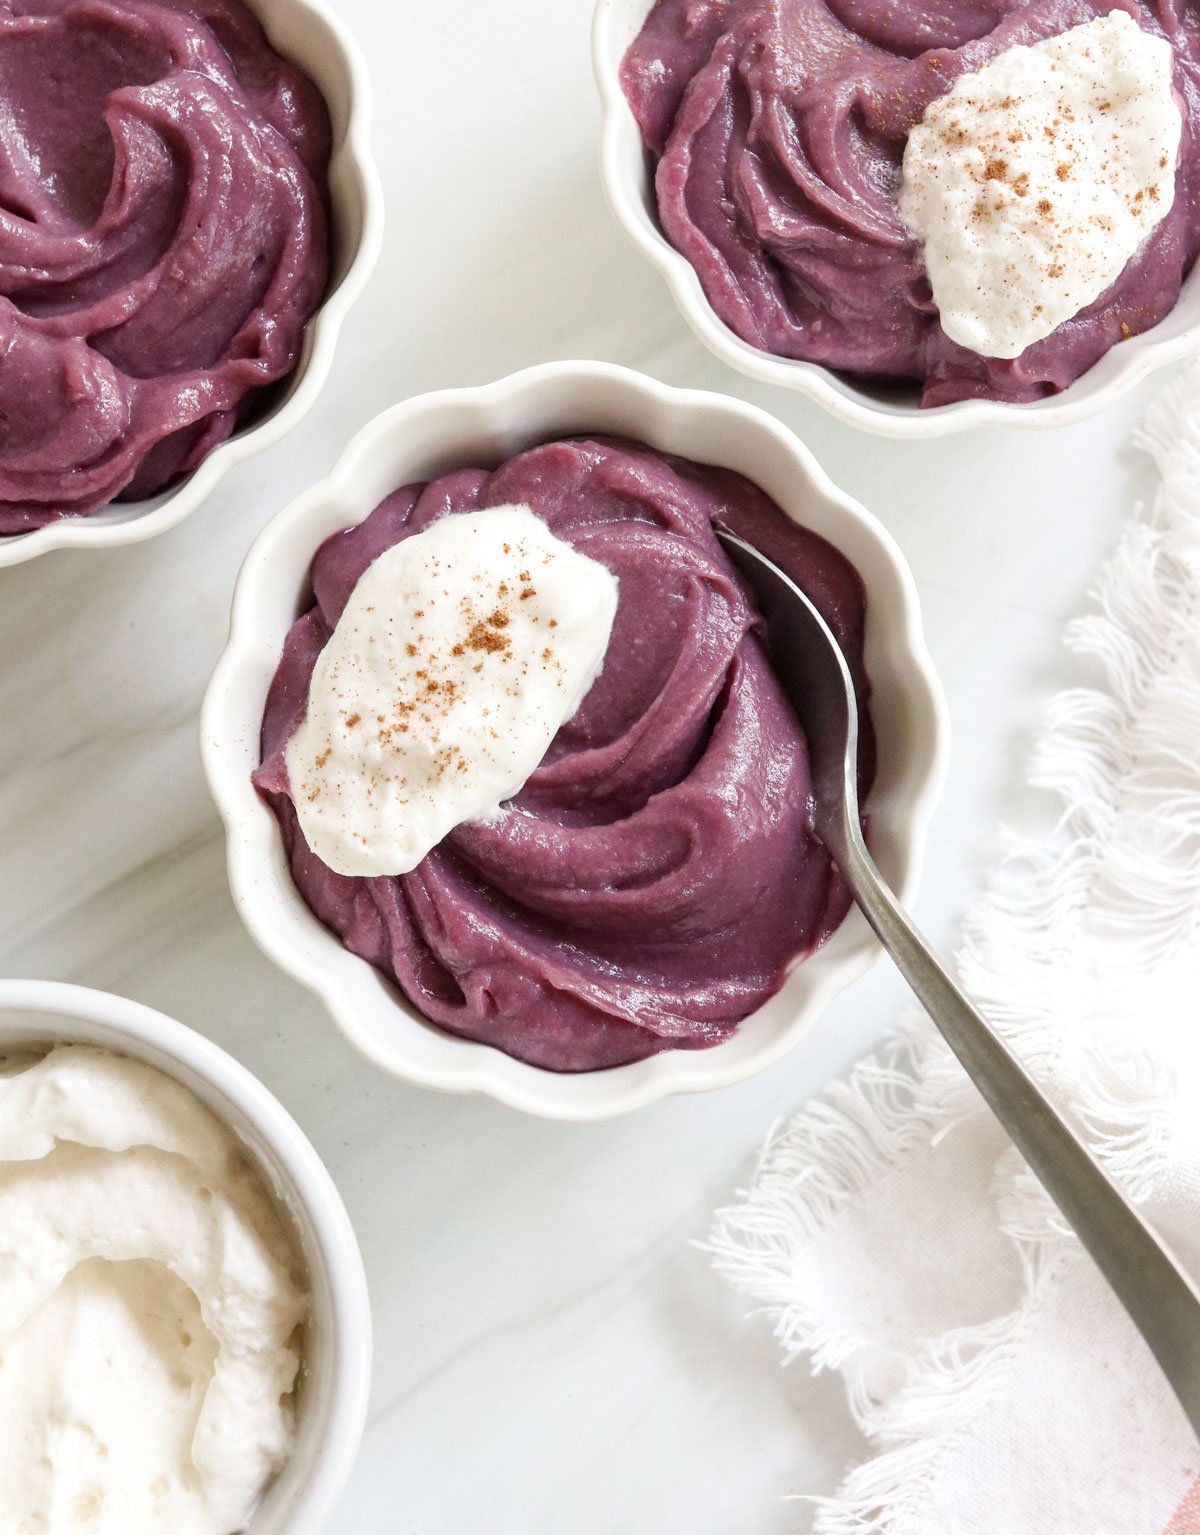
[(1034, 180), (466, 693)]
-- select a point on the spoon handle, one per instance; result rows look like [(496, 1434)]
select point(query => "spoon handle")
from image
[(1139, 1266)]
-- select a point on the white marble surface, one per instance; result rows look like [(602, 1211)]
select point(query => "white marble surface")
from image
[(552, 1353)]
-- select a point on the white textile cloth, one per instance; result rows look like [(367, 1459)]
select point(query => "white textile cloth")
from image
[(891, 1232)]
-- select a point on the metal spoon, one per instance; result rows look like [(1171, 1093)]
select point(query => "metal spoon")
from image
[(1145, 1275)]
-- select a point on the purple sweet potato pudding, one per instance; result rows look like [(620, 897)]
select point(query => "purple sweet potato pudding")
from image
[(656, 878), (163, 241), (777, 132)]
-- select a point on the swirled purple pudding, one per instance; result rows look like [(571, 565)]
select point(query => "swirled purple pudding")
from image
[(654, 875), (163, 242), (981, 197)]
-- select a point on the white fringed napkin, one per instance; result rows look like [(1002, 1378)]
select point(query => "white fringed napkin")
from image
[(892, 1233)]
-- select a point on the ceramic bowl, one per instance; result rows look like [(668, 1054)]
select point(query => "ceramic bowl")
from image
[(336, 1371), (427, 437), (311, 34), (886, 411)]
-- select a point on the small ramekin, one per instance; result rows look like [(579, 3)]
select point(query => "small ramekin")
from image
[(887, 412), (427, 437), (336, 1371), (314, 37)]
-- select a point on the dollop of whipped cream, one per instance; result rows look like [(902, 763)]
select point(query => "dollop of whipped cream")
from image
[(147, 1307), (1035, 179), (461, 653)]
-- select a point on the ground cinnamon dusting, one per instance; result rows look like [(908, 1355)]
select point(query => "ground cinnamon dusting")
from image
[(484, 637)]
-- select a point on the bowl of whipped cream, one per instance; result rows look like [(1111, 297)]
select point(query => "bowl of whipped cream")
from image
[(507, 775), (922, 225), (191, 210), (185, 1333)]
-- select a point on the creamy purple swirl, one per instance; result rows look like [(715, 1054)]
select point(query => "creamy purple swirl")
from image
[(657, 876), (776, 130), (163, 241)]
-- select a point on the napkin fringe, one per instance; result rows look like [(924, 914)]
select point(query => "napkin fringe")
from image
[(823, 1159)]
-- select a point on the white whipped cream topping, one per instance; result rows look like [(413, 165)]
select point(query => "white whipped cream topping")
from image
[(147, 1307), (461, 653), (1034, 180)]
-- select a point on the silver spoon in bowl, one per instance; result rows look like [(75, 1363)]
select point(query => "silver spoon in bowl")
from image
[(1145, 1275)]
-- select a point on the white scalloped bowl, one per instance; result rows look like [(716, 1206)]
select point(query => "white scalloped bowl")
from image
[(886, 411), (335, 1380), (426, 437), (314, 37)]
